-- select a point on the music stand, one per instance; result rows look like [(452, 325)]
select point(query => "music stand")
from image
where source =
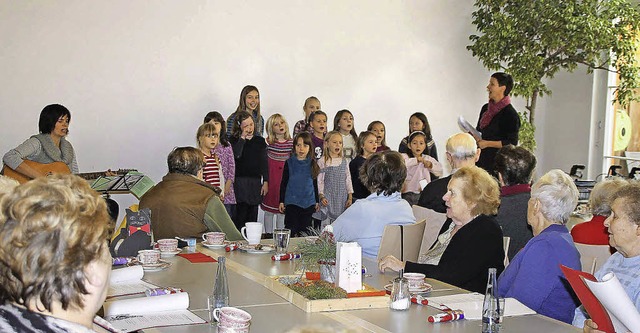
[(119, 184)]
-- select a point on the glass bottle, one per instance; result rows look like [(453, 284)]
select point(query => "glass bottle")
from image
[(400, 297), (491, 305), (221, 287)]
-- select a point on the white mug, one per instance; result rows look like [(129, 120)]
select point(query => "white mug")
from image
[(252, 232)]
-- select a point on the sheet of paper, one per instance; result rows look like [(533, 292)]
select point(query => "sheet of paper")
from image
[(471, 304), (145, 312), (128, 281), (142, 186), (611, 294), (127, 323), (145, 305), (467, 128)]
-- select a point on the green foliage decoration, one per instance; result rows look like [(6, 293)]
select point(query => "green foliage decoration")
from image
[(533, 39)]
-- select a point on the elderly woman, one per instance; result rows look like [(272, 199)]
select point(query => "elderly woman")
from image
[(514, 166), (594, 232), (470, 241), (534, 276), (623, 226), (499, 122), (54, 257), (383, 174)]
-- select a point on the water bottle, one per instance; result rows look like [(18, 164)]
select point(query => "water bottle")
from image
[(221, 287), (490, 307)]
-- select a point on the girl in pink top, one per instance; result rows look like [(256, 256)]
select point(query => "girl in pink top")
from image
[(419, 165)]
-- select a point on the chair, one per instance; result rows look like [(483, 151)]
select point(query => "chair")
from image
[(434, 222), (593, 256), (402, 241), (505, 244)]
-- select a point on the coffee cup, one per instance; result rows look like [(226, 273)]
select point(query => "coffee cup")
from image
[(232, 318), (226, 329), (148, 257), (214, 238), (252, 232), (416, 280), (168, 245)]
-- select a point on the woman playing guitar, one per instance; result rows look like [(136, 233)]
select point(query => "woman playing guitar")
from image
[(47, 147)]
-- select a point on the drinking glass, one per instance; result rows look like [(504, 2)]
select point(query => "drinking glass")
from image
[(281, 240)]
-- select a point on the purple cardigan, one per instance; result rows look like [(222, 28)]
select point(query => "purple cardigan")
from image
[(225, 154)]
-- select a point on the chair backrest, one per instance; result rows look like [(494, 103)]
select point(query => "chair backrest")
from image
[(402, 241), (589, 253), (505, 244), (434, 222)]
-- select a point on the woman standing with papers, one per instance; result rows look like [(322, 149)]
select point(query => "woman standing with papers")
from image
[(499, 122)]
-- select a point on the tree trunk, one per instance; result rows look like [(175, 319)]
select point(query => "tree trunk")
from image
[(532, 107)]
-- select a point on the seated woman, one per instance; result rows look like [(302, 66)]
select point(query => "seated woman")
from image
[(54, 257), (514, 166), (470, 241), (534, 277), (47, 147), (623, 226), (594, 232), (383, 174), (182, 204)]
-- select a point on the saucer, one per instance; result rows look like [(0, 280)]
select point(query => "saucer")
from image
[(425, 288), (156, 267), (169, 254), (252, 249), (214, 246)]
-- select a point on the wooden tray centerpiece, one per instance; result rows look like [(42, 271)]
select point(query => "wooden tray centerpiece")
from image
[(319, 253)]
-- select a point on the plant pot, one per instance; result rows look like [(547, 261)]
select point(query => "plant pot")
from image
[(327, 271), (312, 275)]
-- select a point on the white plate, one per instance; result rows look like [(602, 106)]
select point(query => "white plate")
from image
[(424, 289), (252, 249), (214, 246), (169, 254)]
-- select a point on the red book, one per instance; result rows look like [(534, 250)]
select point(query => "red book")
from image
[(591, 304)]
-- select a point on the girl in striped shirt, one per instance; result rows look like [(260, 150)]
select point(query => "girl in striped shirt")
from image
[(279, 146), (208, 137)]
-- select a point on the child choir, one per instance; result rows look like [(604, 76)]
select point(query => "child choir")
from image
[(310, 178)]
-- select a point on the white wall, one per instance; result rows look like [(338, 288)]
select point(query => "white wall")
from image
[(138, 76), (564, 122)]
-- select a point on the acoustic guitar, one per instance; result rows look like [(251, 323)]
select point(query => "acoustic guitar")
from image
[(54, 167)]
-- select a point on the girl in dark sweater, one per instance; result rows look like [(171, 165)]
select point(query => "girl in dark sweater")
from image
[(252, 175)]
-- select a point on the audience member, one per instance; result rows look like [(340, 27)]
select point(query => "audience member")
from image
[(534, 277), (514, 166), (594, 232), (461, 151), (54, 256), (383, 174), (182, 204), (623, 225), (470, 241)]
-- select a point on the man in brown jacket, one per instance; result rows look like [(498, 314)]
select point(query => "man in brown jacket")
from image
[(182, 204)]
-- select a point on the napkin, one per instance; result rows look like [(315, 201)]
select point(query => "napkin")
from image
[(197, 257)]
